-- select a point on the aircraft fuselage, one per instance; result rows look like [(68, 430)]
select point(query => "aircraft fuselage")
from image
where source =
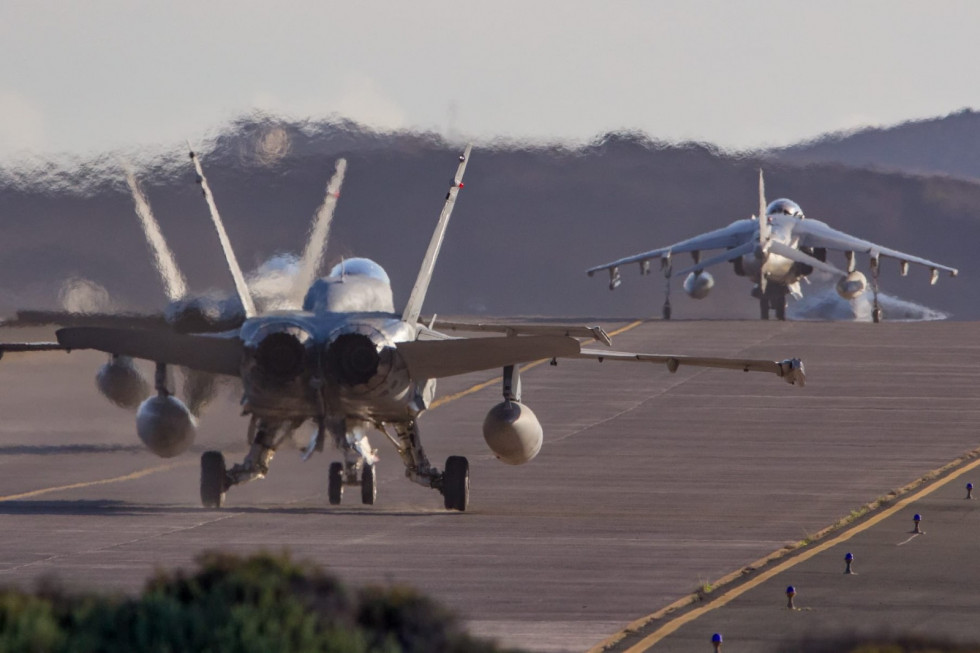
[(779, 269)]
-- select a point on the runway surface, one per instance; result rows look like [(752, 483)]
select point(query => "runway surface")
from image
[(649, 484)]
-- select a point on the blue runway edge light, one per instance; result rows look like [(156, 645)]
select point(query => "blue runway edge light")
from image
[(716, 638)]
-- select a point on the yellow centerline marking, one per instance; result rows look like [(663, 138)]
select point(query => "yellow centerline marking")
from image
[(105, 481), (671, 626)]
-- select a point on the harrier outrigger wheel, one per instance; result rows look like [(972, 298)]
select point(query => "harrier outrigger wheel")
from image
[(214, 481)]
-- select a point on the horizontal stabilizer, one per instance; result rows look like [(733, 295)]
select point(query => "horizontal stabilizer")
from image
[(215, 354), (575, 331), (791, 370), (67, 318), (432, 359)]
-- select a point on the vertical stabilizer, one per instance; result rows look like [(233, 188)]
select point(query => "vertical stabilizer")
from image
[(174, 284), (316, 244), (236, 271), (414, 304), (764, 234), (763, 218)]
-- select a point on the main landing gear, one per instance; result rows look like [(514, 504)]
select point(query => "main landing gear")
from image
[(456, 483), (876, 308), (357, 470), (214, 481), (453, 484), (774, 298), (264, 437)]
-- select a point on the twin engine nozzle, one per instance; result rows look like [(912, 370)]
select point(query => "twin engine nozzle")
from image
[(352, 358)]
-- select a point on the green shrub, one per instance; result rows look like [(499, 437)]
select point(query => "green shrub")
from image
[(232, 604)]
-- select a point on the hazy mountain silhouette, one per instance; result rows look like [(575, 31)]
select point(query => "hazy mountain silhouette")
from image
[(529, 221), (949, 145)]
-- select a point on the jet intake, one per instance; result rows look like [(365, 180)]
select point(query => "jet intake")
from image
[(353, 358), (699, 284), (122, 383), (513, 432), (852, 285), (165, 425)]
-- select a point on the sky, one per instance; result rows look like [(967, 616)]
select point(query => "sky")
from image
[(87, 77)]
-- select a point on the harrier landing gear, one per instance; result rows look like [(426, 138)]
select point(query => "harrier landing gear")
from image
[(773, 298), (876, 308), (667, 269)]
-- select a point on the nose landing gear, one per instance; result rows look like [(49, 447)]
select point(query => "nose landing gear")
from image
[(341, 475)]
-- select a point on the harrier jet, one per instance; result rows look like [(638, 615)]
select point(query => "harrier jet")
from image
[(775, 253), (347, 362)]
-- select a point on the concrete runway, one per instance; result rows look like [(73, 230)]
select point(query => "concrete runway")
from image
[(902, 582), (649, 484)]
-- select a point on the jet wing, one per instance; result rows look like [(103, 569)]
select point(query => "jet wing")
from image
[(433, 359), (67, 318), (791, 370), (814, 233), (577, 331), (734, 235), (205, 353)]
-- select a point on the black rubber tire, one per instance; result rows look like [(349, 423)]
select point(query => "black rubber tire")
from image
[(335, 484), (764, 307), (666, 312), (214, 480), (369, 487), (456, 483), (876, 315), (780, 307)]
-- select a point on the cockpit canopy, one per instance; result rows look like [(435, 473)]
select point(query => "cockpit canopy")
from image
[(784, 206), (364, 267), (355, 285)]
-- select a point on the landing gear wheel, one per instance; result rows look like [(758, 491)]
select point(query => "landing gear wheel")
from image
[(780, 307), (666, 311), (876, 315), (214, 481), (369, 488), (456, 483), (335, 483), (764, 307)]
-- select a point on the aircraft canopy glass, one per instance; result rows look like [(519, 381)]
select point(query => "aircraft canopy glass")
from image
[(360, 266), (784, 207)]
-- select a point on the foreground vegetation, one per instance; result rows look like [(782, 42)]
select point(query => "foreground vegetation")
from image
[(254, 604)]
